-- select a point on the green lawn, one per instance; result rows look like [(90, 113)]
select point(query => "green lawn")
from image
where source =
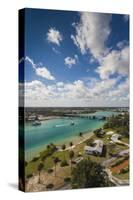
[(48, 163)]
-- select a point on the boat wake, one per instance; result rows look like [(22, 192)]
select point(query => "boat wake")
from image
[(60, 125)]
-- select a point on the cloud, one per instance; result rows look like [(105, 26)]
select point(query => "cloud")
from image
[(92, 33), (40, 71), (56, 51), (54, 36), (69, 61), (92, 92), (117, 61), (43, 72)]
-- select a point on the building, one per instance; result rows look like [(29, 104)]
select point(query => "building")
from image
[(115, 137), (96, 149)]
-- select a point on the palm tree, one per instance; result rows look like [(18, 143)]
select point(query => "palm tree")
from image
[(48, 146), (71, 155), (40, 167), (63, 148), (71, 144), (56, 160), (80, 134)]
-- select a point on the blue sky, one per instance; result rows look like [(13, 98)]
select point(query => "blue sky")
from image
[(75, 58)]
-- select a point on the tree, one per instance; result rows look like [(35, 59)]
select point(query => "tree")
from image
[(89, 174), (48, 146), (63, 148), (71, 144), (56, 160), (80, 134), (25, 163), (43, 158), (71, 155), (40, 167)]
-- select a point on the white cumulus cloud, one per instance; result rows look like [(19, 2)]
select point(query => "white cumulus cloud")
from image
[(69, 61), (40, 71), (117, 61), (109, 92), (92, 33), (54, 36), (45, 73)]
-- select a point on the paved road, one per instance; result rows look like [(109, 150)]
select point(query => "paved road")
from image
[(115, 180), (106, 163)]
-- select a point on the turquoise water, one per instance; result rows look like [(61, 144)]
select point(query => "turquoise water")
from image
[(57, 131)]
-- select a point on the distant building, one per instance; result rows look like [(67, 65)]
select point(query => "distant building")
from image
[(115, 137), (31, 117), (96, 149)]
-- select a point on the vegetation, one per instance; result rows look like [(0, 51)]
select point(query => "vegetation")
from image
[(120, 123), (50, 186), (40, 167), (63, 148), (80, 134), (89, 174), (124, 170), (67, 180), (64, 163), (71, 155), (29, 176), (118, 162), (71, 144), (50, 171), (56, 160)]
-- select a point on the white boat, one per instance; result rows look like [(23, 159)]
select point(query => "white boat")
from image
[(72, 123), (36, 123)]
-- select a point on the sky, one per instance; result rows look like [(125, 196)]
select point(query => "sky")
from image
[(75, 59)]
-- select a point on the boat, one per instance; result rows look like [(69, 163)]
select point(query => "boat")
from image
[(72, 123), (36, 123)]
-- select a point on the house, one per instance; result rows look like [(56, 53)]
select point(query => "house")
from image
[(96, 149), (115, 137)]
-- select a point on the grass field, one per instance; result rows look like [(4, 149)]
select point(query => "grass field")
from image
[(32, 167)]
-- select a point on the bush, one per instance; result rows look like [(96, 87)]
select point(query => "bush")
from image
[(35, 159), (29, 176), (50, 171), (64, 163), (50, 186), (124, 170), (67, 179)]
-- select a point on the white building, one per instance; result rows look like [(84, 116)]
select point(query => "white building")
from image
[(96, 149), (115, 137)]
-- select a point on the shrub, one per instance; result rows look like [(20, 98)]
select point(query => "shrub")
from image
[(67, 179), (64, 163), (50, 171), (124, 170), (29, 176), (35, 159), (50, 186)]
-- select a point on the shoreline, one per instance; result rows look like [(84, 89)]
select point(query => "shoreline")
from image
[(76, 140)]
